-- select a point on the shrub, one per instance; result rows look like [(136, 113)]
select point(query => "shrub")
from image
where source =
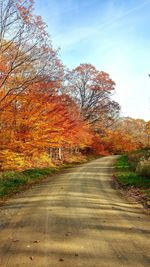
[(143, 167), (10, 160), (41, 161), (137, 156), (79, 158)]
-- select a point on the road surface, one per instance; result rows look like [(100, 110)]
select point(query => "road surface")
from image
[(75, 219)]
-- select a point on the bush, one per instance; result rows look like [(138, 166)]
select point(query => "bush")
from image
[(135, 157), (126, 176), (41, 161), (10, 160), (143, 167), (79, 158)]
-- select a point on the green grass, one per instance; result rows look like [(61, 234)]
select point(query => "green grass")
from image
[(13, 182), (122, 163), (128, 177)]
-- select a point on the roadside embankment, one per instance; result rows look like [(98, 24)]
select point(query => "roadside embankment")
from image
[(132, 181)]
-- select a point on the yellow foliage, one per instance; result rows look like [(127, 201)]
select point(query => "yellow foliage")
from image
[(10, 160), (43, 160), (75, 158)]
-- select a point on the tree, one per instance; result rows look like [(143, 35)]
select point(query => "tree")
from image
[(147, 132), (133, 127), (26, 53), (39, 120), (119, 141), (92, 90)]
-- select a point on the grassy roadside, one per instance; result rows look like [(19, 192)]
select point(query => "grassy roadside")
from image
[(12, 182), (127, 177)]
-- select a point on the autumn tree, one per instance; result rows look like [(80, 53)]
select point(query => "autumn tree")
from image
[(92, 90), (42, 121), (41, 109), (119, 141), (147, 133), (26, 53), (133, 127)]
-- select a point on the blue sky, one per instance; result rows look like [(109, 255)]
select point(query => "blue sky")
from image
[(113, 35)]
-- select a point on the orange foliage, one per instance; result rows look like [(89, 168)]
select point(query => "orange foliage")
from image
[(42, 109), (37, 120), (119, 141)]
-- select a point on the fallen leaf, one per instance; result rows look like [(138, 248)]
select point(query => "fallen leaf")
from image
[(66, 234)]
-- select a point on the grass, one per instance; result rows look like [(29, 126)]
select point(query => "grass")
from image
[(122, 163), (126, 175), (13, 181)]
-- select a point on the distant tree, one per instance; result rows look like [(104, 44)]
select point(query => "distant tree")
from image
[(147, 132), (92, 90), (133, 127)]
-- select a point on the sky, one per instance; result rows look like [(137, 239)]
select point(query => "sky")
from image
[(112, 35)]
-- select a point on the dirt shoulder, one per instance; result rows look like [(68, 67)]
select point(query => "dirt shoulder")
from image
[(132, 194)]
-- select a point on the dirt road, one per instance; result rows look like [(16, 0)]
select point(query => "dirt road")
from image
[(75, 219)]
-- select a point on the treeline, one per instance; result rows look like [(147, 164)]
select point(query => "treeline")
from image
[(47, 112)]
